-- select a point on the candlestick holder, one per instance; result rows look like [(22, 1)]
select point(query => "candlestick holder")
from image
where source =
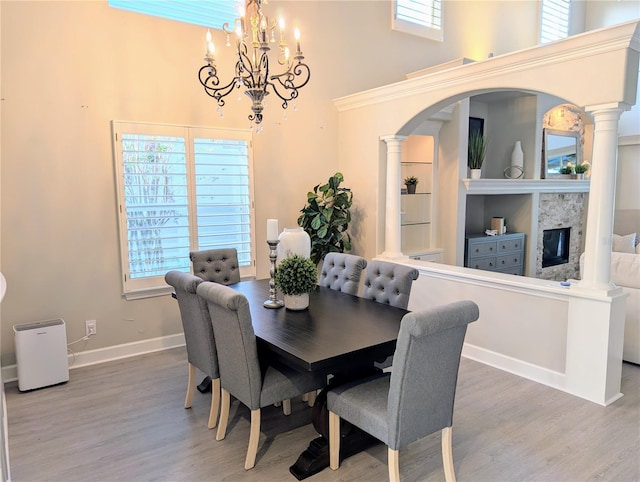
[(273, 301)]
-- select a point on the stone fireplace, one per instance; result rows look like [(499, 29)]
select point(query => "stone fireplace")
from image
[(561, 220)]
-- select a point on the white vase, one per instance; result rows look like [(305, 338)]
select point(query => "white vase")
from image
[(517, 162), (296, 302), (293, 241), (475, 173)]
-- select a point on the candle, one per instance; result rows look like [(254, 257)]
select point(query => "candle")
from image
[(272, 229), (296, 34)]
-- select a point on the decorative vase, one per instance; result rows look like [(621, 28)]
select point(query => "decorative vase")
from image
[(293, 241), (411, 188), (516, 170), (296, 302), (475, 173), (579, 176)]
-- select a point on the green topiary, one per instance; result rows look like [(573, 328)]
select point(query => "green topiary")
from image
[(296, 275)]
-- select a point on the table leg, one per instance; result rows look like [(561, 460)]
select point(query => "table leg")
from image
[(352, 440)]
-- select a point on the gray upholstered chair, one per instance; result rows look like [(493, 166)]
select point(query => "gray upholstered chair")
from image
[(389, 283), (416, 399), (341, 272), (255, 382), (217, 265), (198, 335)]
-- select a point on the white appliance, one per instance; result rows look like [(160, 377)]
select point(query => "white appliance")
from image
[(41, 354)]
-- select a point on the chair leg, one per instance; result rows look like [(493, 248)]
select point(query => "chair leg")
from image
[(224, 414), (334, 441), (215, 403), (254, 436), (286, 406), (312, 398), (447, 455), (191, 386), (394, 465)]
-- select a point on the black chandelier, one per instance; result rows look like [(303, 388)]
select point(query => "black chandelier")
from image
[(254, 32)]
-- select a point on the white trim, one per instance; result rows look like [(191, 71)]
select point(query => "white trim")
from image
[(629, 140), (524, 186), (111, 353)]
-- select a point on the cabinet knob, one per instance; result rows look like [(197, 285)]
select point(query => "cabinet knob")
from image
[(477, 250), (504, 247), (490, 264), (491, 248)]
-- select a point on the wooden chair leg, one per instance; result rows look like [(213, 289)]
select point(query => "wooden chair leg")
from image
[(215, 403), (312, 398), (394, 465), (224, 414), (191, 386), (447, 455), (334, 441), (254, 436), (286, 406), (305, 397)]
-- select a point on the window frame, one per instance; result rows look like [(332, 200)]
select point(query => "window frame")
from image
[(541, 22), (150, 286), (411, 28)]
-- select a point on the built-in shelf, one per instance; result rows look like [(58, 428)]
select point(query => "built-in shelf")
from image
[(524, 186)]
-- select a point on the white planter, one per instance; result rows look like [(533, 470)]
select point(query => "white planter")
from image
[(296, 302), (475, 173), (293, 241)]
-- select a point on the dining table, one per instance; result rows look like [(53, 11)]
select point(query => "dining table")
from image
[(338, 335)]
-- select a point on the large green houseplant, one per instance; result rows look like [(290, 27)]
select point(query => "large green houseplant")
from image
[(326, 217)]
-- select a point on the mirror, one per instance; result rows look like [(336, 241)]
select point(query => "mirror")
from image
[(560, 148)]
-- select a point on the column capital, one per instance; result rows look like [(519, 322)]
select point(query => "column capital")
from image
[(609, 107), (393, 138)]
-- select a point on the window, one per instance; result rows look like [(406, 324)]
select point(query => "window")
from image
[(208, 13), (418, 17), (180, 189), (554, 20)]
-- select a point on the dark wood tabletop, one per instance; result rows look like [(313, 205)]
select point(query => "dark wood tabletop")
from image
[(337, 332)]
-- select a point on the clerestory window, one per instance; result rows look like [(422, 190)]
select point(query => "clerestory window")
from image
[(418, 17), (554, 20)]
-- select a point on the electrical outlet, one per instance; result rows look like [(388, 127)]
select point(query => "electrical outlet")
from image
[(90, 327)]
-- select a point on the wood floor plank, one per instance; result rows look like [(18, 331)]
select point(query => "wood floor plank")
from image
[(126, 421)]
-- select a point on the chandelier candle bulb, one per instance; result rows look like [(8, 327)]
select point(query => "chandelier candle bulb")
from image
[(297, 36)]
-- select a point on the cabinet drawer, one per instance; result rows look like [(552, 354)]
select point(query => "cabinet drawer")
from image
[(482, 249), (509, 245), (509, 260), (517, 270), (483, 263)]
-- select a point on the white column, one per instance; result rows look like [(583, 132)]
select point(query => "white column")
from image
[(392, 243), (598, 240)]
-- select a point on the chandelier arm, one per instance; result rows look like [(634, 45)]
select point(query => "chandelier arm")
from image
[(287, 84), (209, 79)]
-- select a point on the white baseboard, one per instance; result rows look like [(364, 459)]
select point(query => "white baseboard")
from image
[(111, 353), (517, 367)]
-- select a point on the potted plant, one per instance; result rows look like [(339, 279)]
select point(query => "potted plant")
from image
[(566, 170), (477, 150), (296, 276), (411, 182), (580, 170), (326, 217)]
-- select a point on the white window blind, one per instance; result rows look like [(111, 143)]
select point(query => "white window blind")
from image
[(418, 17), (208, 13), (554, 20), (180, 189)]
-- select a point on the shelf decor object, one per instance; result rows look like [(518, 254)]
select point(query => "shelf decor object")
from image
[(516, 170), (273, 241), (253, 32)]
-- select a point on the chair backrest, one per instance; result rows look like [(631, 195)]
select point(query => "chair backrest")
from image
[(425, 371), (217, 265), (237, 348), (389, 283), (341, 272), (198, 332)]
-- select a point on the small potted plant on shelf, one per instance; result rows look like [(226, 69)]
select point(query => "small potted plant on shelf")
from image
[(477, 150), (411, 182), (566, 170), (296, 276), (580, 170)]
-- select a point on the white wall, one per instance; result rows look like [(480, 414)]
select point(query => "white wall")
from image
[(69, 68)]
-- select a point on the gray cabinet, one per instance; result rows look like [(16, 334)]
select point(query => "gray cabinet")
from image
[(504, 253)]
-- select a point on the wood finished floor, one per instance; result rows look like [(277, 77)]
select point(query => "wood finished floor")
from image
[(125, 421)]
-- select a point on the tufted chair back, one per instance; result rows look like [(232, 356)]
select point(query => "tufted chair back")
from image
[(341, 272), (389, 283), (217, 265)]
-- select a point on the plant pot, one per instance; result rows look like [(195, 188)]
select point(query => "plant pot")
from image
[(411, 188), (296, 302), (475, 173), (579, 176)]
